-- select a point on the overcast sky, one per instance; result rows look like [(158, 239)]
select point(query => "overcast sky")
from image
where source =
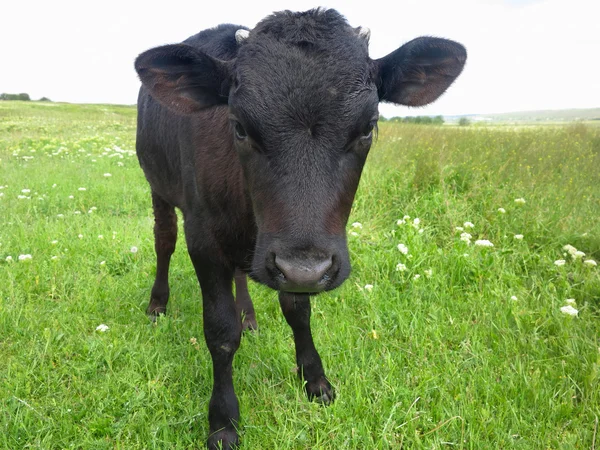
[(523, 54)]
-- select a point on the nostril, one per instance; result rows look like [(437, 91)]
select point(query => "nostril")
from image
[(322, 268), (284, 266)]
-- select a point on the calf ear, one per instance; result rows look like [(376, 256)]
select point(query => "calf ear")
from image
[(183, 78), (420, 71)]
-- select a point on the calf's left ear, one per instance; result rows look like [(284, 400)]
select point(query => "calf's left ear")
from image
[(182, 78), (420, 71)]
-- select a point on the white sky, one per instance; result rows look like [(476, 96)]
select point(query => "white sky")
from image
[(523, 54)]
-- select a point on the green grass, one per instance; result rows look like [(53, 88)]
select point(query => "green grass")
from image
[(446, 361)]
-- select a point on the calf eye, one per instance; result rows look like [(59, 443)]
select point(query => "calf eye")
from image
[(368, 133), (240, 132)]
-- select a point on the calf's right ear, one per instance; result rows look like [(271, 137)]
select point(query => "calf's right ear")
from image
[(183, 78), (417, 73)]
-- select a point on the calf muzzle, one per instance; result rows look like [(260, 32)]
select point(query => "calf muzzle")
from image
[(303, 275)]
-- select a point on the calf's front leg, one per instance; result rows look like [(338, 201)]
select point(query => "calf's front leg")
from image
[(296, 310), (222, 331)]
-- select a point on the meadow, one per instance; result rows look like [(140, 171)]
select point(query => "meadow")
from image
[(471, 319)]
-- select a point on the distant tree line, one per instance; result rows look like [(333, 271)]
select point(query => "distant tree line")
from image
[(424, 120), (22, 97)]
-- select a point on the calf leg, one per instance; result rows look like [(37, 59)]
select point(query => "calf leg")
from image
[(296, 309), (165, 237), (222, 331), (243, 302)]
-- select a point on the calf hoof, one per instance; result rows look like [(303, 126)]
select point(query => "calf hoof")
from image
[(320, 391), (223, 440), (155, 309), (249, 323)]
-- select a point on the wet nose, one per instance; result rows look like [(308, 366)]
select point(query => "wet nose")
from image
[(303, 275)]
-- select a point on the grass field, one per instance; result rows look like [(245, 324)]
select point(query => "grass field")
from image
[(451, 345)]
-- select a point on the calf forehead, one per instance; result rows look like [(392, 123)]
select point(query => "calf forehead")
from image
[(288, 75), (303, 64)]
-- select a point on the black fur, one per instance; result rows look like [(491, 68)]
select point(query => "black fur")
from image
[(261, 146)]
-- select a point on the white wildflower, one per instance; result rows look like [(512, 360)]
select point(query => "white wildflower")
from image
[(71, 197), (421, 230), (357, 225), (353, 233), (100, 236), (134, 249), (54, 258), (403, 249), (416, 277), (368, 287), (501, 210), (483, 243), (102, 263), (514, 298), (102, 328), (76, 212), (406, 217), (9, 258), (570, 301), (400, 222), (60, 216), (468, 225), (461, 229), (24, 257), (428, 273), (107, 175), (416, 222), (25, 191), (569, 310), (590, 263), (560, 262), (54, 185), (54, 242), (578, 254), (120, 164), (466, 237), (82, 189), (520, 201), (519, 237), (80, 236), (400, 267)]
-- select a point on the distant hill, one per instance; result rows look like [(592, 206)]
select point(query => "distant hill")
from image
[(550, 115)]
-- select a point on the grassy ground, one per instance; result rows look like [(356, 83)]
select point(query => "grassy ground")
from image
[(465, 348)]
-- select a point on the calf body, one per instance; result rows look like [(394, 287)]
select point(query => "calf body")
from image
[(259, 137)]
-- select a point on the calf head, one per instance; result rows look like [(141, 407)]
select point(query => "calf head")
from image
[(303, 99)]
